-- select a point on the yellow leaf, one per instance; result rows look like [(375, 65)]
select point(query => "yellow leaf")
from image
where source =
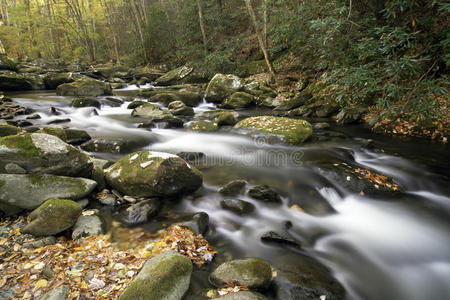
[(414, 23), (40, 284)]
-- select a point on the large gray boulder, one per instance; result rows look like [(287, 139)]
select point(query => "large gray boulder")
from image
[(164, 277), (52, 217), (29, 191), (254, 273), (84, 87), (43, 153), (148, 174), (222, 86)]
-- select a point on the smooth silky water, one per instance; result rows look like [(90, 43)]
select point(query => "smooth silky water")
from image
[(389, 246)]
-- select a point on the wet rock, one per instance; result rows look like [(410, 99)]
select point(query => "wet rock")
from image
[(87, 226), (351, 115), (98, 175), (289, 104), (136, 104), (52, 217), (106, 146), (13, 168), (165, 276), (83, 203), (12, 81), (198, 222), (183, 111), (140, 213), (20, 123), (164, 123), (189, 95), (275, 238), (43, 153), (203, 126), (6, 130), (29, 191), (85, 102), (222, 86), (301, 277), (226, 119), (293, 131), (174, 76), (242, 295), (59, 121), (254, 273), (191, 156), (34, 117), (237, 206), (84, 87), (269, 102), (238, 100), (233, 188), (150, 111), (59, 293), (199, 286), (264, 193), (70, 136), (320, 126), (148, 174), (53, 80)]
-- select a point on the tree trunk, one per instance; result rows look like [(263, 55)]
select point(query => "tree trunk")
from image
[(202, 26), (139, 28), (260, 38)]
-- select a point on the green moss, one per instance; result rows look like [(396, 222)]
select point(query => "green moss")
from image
[(293, 130), (225, 118), (2, 183), (238, 100), (85, 102), (58, 132), (23, 143), (74, 185), (6, 130), (203, 126)]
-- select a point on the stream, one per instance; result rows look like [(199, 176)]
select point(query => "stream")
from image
[(380, 245)]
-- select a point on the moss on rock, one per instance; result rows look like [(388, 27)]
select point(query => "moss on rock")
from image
[(6, 130), (294, 131), (238, 100), (203, 126)]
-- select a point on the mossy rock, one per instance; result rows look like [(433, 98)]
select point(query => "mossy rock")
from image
[(43, 153), (254, 273), (222, 86), (84, 87), (237, 206), (53, 80), (166, 276), (293, 131), (203, 126), (7, 64), (188, 94), (238, 100), (12, 81), (174, 76), (70, 136), (148, 174), (29, 191), (7, 130), (226, 118), (52, 217), (85, 102), (135, 104), (233, 188), (150, 111)]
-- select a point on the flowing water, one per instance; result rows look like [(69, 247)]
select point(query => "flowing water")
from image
[(382, 245)]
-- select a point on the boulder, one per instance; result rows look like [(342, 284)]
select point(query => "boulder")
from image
[(7, 64), (233, 188), (293, 131), (85, 102), (226, 118), (289, 104), (6, 130), (203, 126), (198, 222), (174, 76), (70, 136), (52, 217), (53, 80), (255, 273), (87, 226), (165, 276), (150, 111), (237, 206), (238, 100), (140, 213), (43, 153), (188, 94), (12, 81), (59, 293), (148, 174), (135, 104), (84, 87), (242, 295), (29, 191), (222, 86), (264, 193)]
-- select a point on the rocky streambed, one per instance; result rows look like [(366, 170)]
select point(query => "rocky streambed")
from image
[(188, 188)]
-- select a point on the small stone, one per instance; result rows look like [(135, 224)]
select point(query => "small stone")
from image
[(240, 207), (264, 193), (233, 187), (13, 168), (273, 237)]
